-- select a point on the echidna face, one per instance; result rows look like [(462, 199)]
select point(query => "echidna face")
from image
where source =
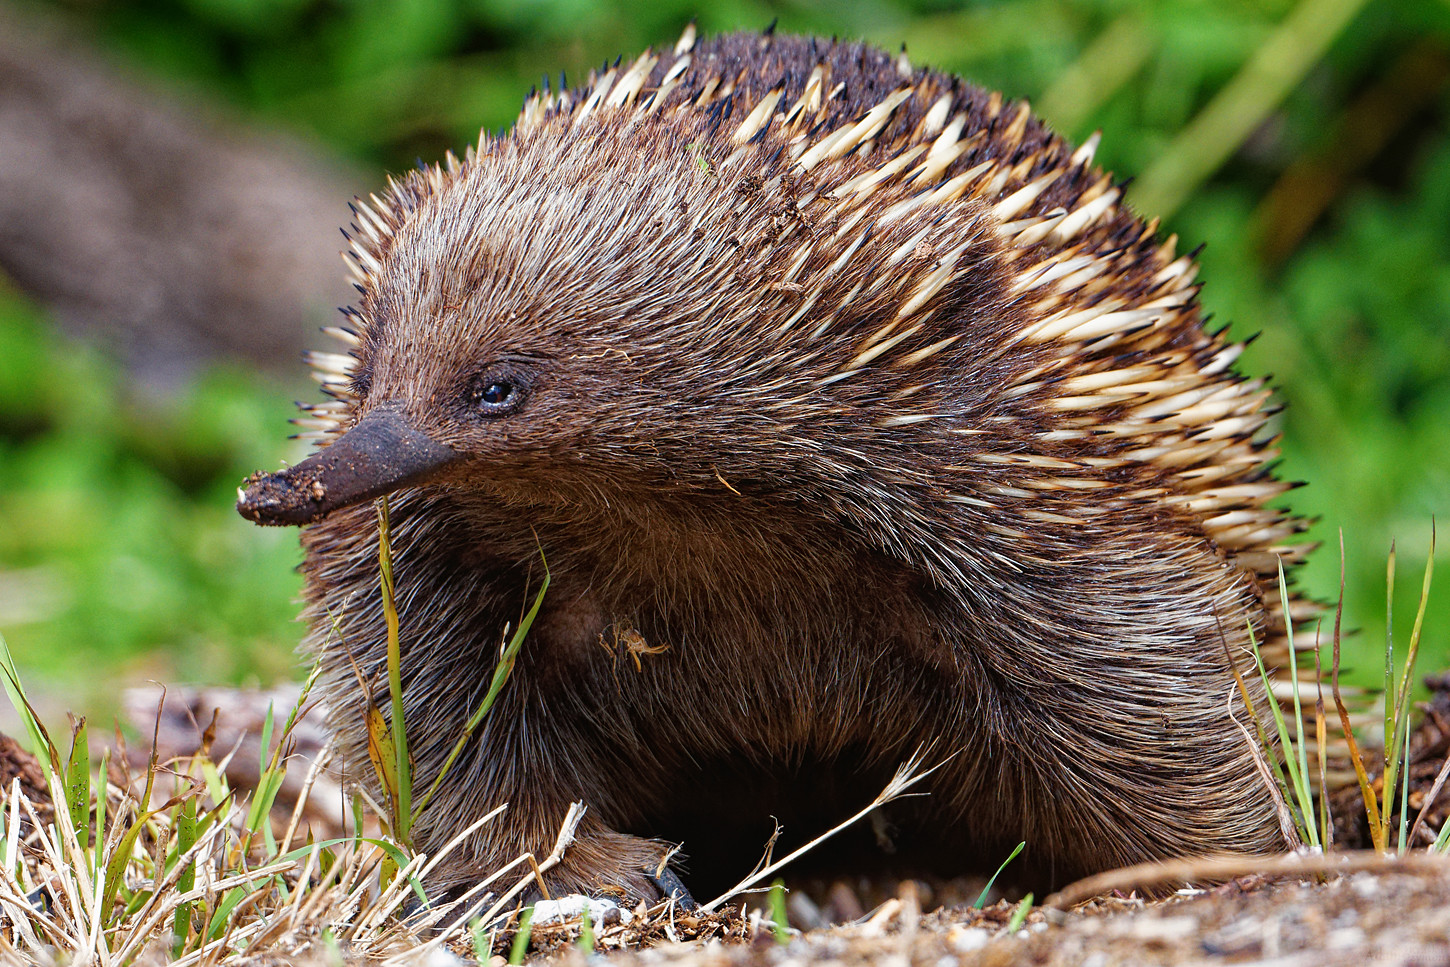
[(524, 323)]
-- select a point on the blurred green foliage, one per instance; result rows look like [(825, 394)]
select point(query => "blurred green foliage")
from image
[(122, 555), (1327, 227)]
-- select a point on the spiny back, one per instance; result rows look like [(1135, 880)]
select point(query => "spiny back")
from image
[(894, 261)]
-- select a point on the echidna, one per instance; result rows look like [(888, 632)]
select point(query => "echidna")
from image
[(854, 415)]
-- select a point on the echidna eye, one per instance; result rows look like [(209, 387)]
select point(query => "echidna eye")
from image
[(494, 396)]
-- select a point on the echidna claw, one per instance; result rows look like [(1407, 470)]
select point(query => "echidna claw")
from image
[(671, 887)]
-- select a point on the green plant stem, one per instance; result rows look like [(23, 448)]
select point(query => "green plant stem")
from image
[(1298, 785), (185, 839), (1391, 739), (1405, 793), (1104, 66), (402, 822), (40, 745), (78, 784), (1356, 757)]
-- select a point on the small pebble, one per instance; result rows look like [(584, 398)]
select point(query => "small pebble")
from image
[(1346, 938), (967, 939), (1366, 886), (435, 957), (1165, 929)]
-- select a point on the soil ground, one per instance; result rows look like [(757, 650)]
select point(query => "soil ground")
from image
[(1392, 916), (1397, 915)]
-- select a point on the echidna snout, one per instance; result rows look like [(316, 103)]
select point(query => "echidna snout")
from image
[(376, 457)]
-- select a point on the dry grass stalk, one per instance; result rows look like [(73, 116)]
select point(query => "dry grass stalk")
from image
[(1215, 869), (907, 775)]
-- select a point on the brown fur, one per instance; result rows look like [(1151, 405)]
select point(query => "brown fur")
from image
[(825, 542)]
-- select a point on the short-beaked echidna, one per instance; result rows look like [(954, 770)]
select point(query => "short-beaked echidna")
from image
[(854, 416)]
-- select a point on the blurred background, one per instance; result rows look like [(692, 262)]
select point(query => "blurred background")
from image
[(173, 174)]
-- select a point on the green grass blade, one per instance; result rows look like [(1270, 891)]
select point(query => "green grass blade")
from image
[(394, 858), (1280, 777), (1356, 757), (78, 784), (295, 712), (1301, 798), (101, 811), (482, 942), (263, 799), (272, 767), (1405, 795), (586, 931), (257, 811), (501, 674), (1303, 792), (1321, 744), (268, 720), (511, 653), (1397, 714), (403, 818), (982, 897), (357, 821), (116, 868), (1442, 841), (1402, 699), (185, 840), (1391, 740), (521, 938), (216, 787), (229, 903), (1019, 915), (382, 753), (779, 916), (40, 745)]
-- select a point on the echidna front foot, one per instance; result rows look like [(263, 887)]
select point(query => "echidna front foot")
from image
[(622, 867), (599, 863)]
